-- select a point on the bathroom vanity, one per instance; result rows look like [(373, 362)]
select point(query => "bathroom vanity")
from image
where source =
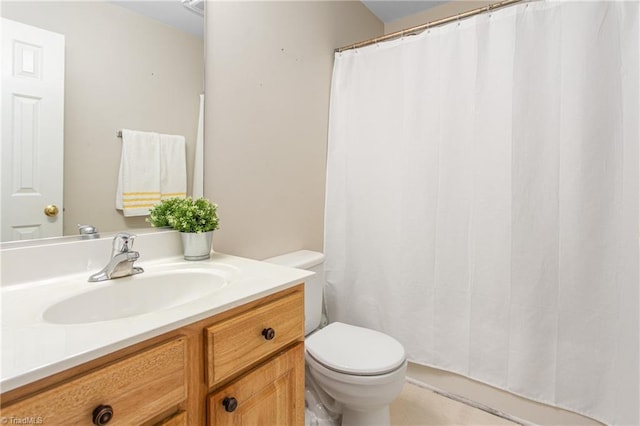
[(235, 355)]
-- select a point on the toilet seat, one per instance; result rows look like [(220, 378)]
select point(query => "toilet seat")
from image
[(353, 350)]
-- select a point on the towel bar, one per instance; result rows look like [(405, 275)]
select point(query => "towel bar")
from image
[(119, 133)]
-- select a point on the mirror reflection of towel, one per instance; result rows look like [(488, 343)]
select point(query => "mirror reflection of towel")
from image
[(152, 167), (173, 167)]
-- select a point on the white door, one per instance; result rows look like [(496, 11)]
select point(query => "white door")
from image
[(32, 131)]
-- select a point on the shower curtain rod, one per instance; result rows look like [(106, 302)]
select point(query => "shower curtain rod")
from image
[(422, 27)]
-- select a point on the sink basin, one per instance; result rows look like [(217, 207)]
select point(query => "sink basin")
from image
[(136, 295)]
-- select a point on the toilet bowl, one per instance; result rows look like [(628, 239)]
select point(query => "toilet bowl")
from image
[(362, 370), (352, 373)]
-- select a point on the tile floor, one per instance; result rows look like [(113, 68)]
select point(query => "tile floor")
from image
[(418, 406)]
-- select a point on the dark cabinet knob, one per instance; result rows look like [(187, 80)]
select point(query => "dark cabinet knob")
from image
[(269, 333), (230, 404), (102, 414)]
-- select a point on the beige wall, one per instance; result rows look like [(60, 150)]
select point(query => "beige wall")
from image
[(268, 80), (121, 71)]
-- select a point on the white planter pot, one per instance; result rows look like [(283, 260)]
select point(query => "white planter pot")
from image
[(196, 245)]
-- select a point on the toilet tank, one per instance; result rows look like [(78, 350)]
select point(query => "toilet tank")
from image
[(313, 287)]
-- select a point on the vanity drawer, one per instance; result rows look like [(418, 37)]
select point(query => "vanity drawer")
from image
[(240, 341), (137, 388)]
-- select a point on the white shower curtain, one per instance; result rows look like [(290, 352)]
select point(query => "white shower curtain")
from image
[(482, 200)]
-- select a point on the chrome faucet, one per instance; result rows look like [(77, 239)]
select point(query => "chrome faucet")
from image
[(122, 258)]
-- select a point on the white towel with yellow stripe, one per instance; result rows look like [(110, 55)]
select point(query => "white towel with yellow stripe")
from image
[(151, 164), (173, 167)]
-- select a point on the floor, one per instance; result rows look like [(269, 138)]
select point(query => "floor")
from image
[(418, 406)]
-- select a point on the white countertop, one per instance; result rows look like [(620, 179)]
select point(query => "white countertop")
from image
[(33, 348)]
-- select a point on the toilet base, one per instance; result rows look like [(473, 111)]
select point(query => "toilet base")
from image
[(361, 400), (373, 417), (316, 413), (350, 418), (311, 419)]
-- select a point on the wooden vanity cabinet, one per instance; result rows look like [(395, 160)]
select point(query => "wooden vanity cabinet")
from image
[(183, 377), (260, 342)]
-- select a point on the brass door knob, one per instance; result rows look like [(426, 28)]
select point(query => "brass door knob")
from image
[(51, 210)]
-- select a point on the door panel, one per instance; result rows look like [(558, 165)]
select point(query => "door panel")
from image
[(32, 131)]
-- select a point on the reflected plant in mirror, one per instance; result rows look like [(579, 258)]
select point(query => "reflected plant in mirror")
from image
[(134, 65)]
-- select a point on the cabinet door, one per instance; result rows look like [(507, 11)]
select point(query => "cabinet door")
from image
[(272, 394)]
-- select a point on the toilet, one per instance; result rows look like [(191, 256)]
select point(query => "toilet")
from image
[(352, 373)]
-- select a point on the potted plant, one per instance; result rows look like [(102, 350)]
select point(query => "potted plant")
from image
[(194, 219)]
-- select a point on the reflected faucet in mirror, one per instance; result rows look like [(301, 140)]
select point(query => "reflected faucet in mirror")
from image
[(122, 259), (88, 232)]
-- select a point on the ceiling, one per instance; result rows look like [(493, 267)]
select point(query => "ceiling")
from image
[(173, 13), (390, 10)]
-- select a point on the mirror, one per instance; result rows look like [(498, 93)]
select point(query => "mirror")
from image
[(122, 70)]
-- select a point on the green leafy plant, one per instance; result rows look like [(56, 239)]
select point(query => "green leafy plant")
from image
[(185, 215)]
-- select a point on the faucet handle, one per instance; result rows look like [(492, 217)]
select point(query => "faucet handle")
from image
[(123, 242)]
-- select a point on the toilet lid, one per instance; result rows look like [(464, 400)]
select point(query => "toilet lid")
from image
[(355, 350)]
